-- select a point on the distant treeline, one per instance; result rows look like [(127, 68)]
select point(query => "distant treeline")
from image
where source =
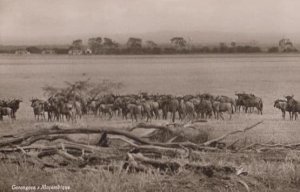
[(177, 45)]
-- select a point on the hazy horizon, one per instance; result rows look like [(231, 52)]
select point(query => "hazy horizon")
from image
[(60, 21)]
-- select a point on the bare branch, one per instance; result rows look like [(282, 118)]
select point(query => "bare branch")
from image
[(208, 143)]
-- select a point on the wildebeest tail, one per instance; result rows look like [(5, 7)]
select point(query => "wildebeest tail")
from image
[(261, 105)]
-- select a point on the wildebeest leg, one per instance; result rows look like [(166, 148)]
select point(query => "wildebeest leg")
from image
[(230, 115), (110, 114), (221, 115), (135, 116), (216, 114), (283, 114), (152, 113), (49, 116), (131, 115), (181, 115), (149, 116), (156, 114), (124, 114), (13, 115), (173, 116)]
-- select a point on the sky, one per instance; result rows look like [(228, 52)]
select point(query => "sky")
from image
[(40, 21)]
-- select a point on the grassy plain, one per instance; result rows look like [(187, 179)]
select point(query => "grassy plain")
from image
[(267, 76)]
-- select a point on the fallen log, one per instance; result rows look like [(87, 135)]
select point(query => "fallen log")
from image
[(179, 132), (34, 139), (213, 141), (45, 132), (173, 166), (162, 165)]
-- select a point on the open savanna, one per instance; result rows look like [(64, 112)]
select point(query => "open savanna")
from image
[(265, 75)]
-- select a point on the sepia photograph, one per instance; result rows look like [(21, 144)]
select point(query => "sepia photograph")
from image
[(149, 95)]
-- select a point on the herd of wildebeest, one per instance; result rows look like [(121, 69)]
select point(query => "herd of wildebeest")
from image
[(144, 106)]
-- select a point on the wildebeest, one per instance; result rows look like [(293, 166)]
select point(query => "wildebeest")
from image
[(220, 107), (146, 110), (249, 101), (92, 106), (106, 109), (203, 107), (187, 109), (283, 106), (226, 99), (141, 106), (154, 108), (293, 105), (38, 108), (135, 110), (170, 104), (6, 111), (78, 109), (13, 105)]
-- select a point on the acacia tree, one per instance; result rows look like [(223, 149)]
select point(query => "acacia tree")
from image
[(77, 44), (109, 43), (223, 47), (151, 44), (134, 43), (83, 89), (95, 44), (178, 42)]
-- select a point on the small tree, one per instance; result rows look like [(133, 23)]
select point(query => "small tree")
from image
[(95, 44), (223, 47), (109, 43), (273, 50), (151, 44), (83, 89), (178, 42), (33, 49), (77, 44), (134, 43)]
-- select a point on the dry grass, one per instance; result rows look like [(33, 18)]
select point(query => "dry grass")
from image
[(265, 176)]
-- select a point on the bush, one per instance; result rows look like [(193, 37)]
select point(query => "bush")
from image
[(273, 50)]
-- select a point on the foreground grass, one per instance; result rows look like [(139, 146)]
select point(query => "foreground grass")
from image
[(264, 176)]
